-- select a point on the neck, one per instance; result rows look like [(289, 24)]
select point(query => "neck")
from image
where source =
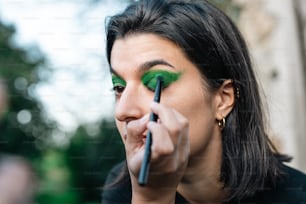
[(201, 181)]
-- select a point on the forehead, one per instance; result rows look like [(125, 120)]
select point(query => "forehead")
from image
[(134, 50)]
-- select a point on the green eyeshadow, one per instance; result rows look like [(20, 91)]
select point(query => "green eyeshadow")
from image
[(117, 81), (149, 79)]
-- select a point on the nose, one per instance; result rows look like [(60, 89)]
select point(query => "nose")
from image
[(131, 105)]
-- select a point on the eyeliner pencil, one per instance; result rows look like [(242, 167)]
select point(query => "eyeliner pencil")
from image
[(145, 165)]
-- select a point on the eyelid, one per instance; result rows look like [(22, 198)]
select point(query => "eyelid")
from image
[(118, 85), (149, 78), (117, 80)]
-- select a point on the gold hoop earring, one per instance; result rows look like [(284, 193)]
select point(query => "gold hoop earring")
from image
[(221, 123)]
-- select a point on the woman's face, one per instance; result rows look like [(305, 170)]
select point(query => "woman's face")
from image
[(135, 60)]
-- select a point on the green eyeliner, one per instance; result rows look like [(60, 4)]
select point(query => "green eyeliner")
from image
[(149, 79), (118, 81)]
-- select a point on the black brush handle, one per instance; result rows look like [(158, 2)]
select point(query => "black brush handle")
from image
[(145, 165)]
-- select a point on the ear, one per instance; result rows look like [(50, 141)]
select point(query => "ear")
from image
[(225, 99)]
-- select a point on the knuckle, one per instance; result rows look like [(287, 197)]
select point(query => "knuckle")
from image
[(163, 151), (175, 130), (184, 123)]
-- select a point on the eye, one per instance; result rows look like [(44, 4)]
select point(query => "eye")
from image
[(150, 83), (149, 79), (118, 85), (118, 89)]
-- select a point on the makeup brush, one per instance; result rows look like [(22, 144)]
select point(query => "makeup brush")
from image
[(145, 165)]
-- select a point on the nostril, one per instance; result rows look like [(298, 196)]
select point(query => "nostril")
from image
[(128, 114), (130, 105)]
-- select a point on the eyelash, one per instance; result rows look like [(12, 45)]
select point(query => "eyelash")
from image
[(118, 89)]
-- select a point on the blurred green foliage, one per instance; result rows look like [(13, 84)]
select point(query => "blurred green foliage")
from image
[(74, 174), (17, 74)]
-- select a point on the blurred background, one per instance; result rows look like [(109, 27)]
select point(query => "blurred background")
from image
[(56, 107)]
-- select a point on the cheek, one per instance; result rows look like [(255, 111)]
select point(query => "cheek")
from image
[(121, 129), (195, 104), (202, 130), (201, 117), (198, 108)]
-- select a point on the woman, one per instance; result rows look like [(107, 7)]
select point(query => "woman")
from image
[(210, 143)]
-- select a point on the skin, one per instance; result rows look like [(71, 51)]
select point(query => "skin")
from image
[(15, 183), (118, 82), (187, 147), (148, 79)]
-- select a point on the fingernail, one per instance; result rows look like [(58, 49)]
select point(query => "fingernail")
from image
[(153, 104), (149, 125), (144, 119)]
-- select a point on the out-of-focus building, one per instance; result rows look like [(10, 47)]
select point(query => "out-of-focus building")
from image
[(275, 31)]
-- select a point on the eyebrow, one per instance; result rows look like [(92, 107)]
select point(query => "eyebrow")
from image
[(147, 65)]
